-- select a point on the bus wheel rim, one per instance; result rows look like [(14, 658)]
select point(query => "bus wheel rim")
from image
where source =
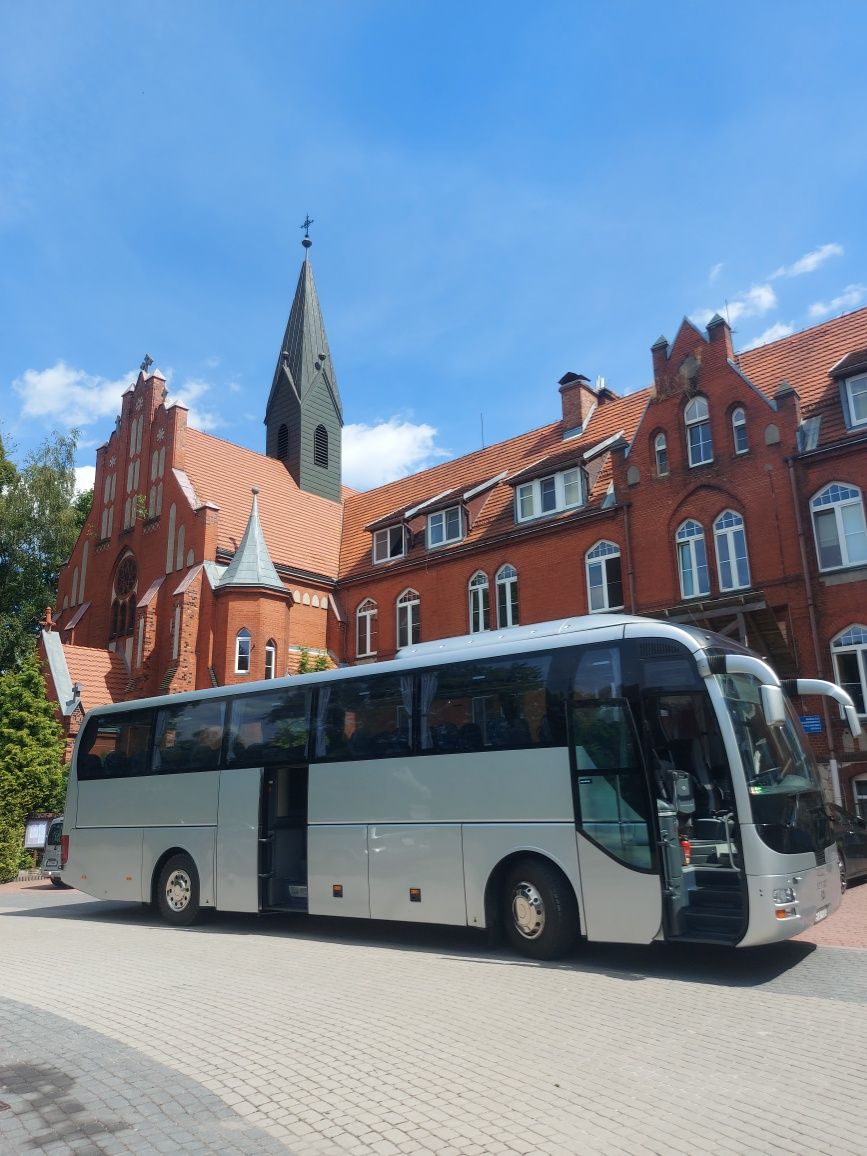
[(528, 911), (179, 888)]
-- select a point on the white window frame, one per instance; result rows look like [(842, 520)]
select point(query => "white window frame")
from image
[(692, 558), (852, 643), (479, 593), (389, 543), (445, 526), (846, 504), (507, 596), (696, 417), (408, 613), (270, 658), (856, 396), (365, 618), (739, 430), (243, 651), (596, 567), (660, 455), (542, 497), (730, 543)]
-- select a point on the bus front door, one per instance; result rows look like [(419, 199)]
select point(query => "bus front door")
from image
[(621, 885)]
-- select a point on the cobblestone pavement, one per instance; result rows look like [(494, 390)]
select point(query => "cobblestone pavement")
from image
[(320, 1037)]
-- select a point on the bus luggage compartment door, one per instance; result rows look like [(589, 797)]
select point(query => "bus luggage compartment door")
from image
[(417, 873)]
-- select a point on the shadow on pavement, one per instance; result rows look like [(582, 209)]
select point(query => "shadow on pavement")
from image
[(690, 963)]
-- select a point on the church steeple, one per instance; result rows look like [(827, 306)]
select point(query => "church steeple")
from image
[(304, 415)]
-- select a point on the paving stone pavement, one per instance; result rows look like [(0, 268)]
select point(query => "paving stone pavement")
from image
[(327, 1037)]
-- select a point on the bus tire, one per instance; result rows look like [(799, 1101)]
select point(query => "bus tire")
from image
[(178, 891), (540, 913), (58, 882)]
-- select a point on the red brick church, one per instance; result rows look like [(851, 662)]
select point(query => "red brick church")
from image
[(728, 493)]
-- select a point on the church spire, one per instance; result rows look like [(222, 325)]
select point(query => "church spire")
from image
[(252, 565), (304, 415)]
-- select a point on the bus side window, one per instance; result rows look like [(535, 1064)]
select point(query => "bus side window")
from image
[(115, 745), (496, 703), (365, 718), (269, 728), (189, 737)]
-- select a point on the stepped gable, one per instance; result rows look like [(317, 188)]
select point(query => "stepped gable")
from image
[(301, 529), (539, 447), (102, 674), (804, 360)]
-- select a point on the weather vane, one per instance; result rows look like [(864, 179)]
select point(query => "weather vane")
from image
[(146, 363), (308, 221)]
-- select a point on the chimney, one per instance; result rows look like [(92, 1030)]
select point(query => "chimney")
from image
[(577, 398)]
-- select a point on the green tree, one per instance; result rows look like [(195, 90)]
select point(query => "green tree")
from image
[(39, 524), (81, 504), (31, 758)]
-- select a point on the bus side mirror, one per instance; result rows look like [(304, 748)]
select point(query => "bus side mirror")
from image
[(773, 704), (851, 716)]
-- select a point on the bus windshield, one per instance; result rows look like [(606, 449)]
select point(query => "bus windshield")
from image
[(782, 777)]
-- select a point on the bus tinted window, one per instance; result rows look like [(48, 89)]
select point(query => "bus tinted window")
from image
[(365, 718), (613, 800), (115, 745), (493, 703), (269, 728), (189, 736)]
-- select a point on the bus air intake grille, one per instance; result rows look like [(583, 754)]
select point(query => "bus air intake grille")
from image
[(660, 649), (820, 857)]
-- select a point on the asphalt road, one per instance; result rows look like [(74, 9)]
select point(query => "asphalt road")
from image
[(247, 1035)]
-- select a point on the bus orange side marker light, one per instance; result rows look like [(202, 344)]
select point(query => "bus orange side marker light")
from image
[(128, 878), (415, 895), (337, 890)]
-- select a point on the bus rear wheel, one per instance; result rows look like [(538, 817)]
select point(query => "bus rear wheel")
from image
[(540, 914), (178, 891)]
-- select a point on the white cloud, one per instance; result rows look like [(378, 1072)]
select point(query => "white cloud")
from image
[(850, 298), (66, 396), (810, 261), (773, 333), (376, 454), (190, 394), (70, 396), (715, 272), (85, 476), (757, 301)]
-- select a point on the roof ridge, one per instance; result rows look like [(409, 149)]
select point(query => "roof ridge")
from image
[(800, 332)]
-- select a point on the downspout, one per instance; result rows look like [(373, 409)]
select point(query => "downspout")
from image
[(630, 573), (814, 633)]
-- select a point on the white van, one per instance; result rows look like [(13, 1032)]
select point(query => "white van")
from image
[(51, 855)]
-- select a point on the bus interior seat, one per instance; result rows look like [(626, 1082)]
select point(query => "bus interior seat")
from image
[(445, 737), (360, 744), (470, 737), (116, 763)]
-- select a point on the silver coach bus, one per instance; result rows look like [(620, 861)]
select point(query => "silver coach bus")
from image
[(607, 777)]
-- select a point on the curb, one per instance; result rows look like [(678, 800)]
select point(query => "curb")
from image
[(31, 876)]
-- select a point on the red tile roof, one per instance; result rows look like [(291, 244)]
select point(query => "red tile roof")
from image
[(804, 360), (301, 530), (496, 515), (102, 674)]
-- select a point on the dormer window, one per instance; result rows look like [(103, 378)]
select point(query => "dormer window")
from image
[(549, 495), (445, 526), (389, 543), (856, 393)]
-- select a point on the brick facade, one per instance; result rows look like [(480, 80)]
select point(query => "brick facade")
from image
[(774, 433)]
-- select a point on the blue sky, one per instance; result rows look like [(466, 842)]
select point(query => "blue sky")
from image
[(501, 193)]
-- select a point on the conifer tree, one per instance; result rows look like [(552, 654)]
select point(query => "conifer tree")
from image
[(31, 754)]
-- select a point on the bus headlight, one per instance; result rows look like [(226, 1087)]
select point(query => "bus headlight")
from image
[(784, 895)]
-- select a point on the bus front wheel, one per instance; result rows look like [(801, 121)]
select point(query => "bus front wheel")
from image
[(540, 914), (178, 891)]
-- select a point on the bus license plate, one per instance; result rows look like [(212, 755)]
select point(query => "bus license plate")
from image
[(821, 914)]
